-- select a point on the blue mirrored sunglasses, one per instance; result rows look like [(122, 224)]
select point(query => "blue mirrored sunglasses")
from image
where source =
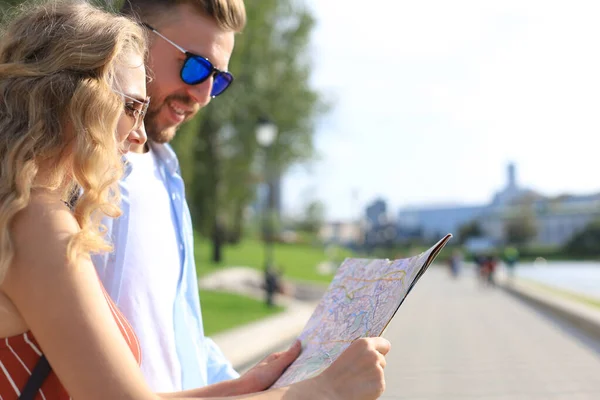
[(197, 69)]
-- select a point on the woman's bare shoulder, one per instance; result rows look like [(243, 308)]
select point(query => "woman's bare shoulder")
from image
[(42, 230), (44, 212)]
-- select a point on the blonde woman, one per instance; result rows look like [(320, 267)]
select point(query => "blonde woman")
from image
[(72, 100)]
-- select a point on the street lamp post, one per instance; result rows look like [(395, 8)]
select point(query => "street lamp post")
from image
[(266, 133)]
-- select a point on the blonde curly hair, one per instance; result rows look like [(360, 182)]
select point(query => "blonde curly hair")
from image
[(58, 108)]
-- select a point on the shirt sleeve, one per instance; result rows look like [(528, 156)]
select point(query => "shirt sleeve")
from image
[(219, 368), (109, 266)]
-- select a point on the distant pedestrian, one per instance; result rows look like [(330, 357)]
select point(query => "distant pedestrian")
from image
[(480, 272), (489, 270), (455, 263), (510, 257)]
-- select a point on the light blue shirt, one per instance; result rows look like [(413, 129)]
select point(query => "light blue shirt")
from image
[(178, 346)]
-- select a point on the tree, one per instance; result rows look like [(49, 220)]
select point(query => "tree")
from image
[(218, 150), (520, 225), (585, 243), (519, 230), (313, 217), (469, 230)]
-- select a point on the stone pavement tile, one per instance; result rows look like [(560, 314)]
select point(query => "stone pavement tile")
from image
[(455, 340)]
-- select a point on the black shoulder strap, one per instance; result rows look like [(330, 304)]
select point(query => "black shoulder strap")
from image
[(38, 376)]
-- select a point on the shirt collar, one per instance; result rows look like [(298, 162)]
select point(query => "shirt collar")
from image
[(165, 153), (126, 166)]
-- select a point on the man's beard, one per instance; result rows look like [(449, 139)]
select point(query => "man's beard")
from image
[(154, 130)]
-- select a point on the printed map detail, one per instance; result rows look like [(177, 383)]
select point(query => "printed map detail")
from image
[(360, 302)]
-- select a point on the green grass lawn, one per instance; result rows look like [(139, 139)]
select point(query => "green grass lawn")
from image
[(222, 311), (297, 260)]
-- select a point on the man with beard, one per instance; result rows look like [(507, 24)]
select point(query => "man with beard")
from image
[(151, 274)]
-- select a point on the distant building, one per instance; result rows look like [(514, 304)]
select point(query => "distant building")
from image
[(380, 230), (343, 233), (431, 224), (512, 192), (562, 217), (376, 213), (557, 219)]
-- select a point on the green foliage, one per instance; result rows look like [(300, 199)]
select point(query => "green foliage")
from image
[(519, 230), (218, 151), (520, 225), (531, 253), (106, 4), (313, 217), (469, 230), (222, 311), (7, 7), (5, 4), (585, 243)]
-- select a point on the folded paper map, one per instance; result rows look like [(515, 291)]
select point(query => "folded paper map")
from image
[(360, 302)]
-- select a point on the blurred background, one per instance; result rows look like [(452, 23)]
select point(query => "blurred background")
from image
[(372, 129)]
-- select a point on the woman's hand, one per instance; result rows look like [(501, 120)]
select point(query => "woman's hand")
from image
[(357, 374), (266, 372)]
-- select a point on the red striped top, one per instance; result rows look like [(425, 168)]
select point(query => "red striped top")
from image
[(19, 354)]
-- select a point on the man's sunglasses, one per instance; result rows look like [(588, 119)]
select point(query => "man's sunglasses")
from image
[(197, 69)]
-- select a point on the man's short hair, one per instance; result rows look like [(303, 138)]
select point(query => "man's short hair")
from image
[(230, 15)]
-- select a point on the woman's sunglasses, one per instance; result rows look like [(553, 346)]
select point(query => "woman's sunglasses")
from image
[(197, 69), (135, 109)]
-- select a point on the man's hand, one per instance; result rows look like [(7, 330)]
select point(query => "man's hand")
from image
[(266, 372)]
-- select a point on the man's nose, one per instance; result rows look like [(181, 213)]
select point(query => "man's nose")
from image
[(200, 94)]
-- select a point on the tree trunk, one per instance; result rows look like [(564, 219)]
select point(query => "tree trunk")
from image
[(217, 241), (238, 223)]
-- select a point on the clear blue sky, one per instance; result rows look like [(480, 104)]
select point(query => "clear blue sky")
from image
[(434, 98)]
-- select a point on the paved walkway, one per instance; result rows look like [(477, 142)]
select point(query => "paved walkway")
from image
[(455, 340)]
